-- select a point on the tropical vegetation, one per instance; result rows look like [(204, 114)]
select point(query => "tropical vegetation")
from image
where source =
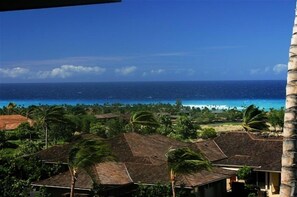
[(254, 119), (59, 124), (185, 161), (83, 155)]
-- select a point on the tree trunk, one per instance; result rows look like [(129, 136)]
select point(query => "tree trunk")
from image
[(172, 179), (289, 157), (73, 180)]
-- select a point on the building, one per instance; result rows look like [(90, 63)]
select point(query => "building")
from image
[(11, 122), (140, 160), (238, 149)]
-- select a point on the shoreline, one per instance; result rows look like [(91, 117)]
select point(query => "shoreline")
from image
[(239, 104)]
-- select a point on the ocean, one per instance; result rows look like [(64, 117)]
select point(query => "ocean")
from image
[(217, 94)]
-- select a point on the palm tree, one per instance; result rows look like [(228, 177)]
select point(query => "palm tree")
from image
[(184, 161), (254, 119), (289, 157), (10, 108), (47, 115), (143, 118), (83, 155)]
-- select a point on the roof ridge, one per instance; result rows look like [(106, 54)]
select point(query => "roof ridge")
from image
[(127, 172), (259, 139), (220, 150)]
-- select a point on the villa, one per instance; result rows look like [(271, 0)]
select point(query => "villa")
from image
[(240, 149), (141, 160)]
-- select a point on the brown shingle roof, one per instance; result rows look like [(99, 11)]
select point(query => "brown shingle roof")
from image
[(242, 148), (147, 173), (211, 150), (55, 154), (112, 173), (62, 180), (149, 149), (204, 177), (141, 159), (10, 122), (107, 116)]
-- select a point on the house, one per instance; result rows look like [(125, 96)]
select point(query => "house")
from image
[(11, 122), (140, 160), (239, 149), (109, 116)]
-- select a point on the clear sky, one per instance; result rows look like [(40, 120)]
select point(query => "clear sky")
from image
[(148, 40)]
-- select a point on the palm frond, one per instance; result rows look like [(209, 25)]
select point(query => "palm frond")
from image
[(254, 119), (186, 161)]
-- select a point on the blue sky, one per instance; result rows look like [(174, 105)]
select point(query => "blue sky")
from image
[(148, 40)]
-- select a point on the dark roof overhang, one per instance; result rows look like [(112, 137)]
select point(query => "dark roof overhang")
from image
[(10, 5)]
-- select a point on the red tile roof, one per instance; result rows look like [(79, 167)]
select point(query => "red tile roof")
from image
[(10, 122)]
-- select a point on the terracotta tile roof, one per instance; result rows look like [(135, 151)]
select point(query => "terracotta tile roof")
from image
[(242, 148), (84, 181), (10, 122)]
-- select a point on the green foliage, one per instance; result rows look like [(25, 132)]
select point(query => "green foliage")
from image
[(276, 118), (4, 143), (159, 190), (165, 125), (16, 175), (42, 192), (186, 161), (98, 129), (207, 133), (115, 127), (144, 122), (185, 129), (254, 119), (244, 173), (85, 124), (252, 195), (25, 131), (29, 147), (87, 152), (47, 116)]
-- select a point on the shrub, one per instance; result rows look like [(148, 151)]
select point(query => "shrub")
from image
[(207, 133), (244, 173)]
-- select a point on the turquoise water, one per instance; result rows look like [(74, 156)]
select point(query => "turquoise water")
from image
[(218, 104), (211, 94)]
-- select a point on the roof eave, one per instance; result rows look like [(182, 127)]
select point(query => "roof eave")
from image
[(60, 187), (11, 5)]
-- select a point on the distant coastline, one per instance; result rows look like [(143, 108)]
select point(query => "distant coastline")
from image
[(211, 94)]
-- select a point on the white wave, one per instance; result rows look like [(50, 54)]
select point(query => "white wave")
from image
[(217, 107)]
